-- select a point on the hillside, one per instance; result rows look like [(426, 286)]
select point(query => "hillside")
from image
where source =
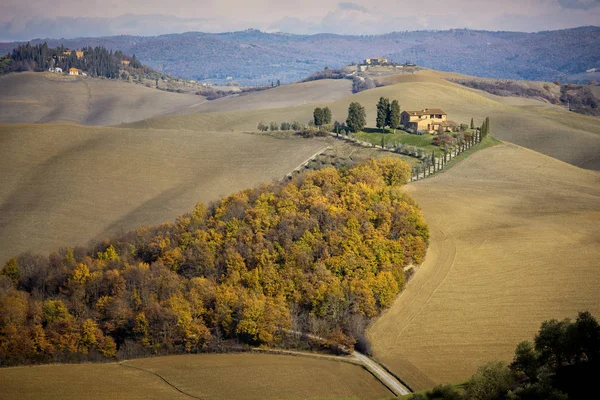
[(207, 376), (515, 242), (29, 97), (254, 57), (537, 125), (67, 184)]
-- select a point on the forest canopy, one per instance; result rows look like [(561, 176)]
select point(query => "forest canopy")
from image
[(320, 254), (96, 61)]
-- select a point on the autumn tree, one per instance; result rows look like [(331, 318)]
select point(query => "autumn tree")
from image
[(322, 253)]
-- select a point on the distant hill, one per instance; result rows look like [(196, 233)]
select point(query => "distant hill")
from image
[(30, 97), (254, 57)]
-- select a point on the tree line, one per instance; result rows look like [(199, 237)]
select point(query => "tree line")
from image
[(96, 61), (323, 254)]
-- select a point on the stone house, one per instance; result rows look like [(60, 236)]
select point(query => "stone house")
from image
[(376, 61), (429, 120)]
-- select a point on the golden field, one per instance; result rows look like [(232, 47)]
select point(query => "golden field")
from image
[(64, 185), (515, 240), (515, 233), (207, 376)]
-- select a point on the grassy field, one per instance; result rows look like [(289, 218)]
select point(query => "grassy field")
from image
[(207, 376), (41, 97), (516, 241), (63, 185), (421, 141)]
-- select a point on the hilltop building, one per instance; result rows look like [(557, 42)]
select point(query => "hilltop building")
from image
[(376, 61), (125, 62), (429, 120), (78, 53), (73, 71)]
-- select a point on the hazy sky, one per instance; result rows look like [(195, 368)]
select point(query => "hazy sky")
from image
[(27, 19)]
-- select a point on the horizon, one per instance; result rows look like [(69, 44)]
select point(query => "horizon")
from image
[(68, 19), (250, 29)]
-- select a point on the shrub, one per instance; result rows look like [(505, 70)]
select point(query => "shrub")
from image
[(491, 382), (442, 139), (273, 126), (262, 126)]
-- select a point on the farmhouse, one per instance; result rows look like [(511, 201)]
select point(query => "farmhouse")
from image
[(376, 61), (429, 119), (73, 71), (125, 62)]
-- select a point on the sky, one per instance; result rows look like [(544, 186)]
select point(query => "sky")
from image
[(29, 19)]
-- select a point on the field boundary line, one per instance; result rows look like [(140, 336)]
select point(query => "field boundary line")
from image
[(122, 363), (352, 360), (299, 167)]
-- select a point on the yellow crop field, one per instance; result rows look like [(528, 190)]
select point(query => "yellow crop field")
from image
[(515, 240), (207, 376)]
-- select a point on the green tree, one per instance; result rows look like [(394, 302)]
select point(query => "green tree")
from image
[(394, 115), (525, 360), (326, 116), (357, 117), (318, 117), (382, 113), (491, 382), (551, 342), (472, 124)]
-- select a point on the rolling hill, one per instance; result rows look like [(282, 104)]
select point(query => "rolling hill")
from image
[(537, 125), (81, 183), (67, 184), (515, 241), (514, 232), (45, 97), (255, 57)]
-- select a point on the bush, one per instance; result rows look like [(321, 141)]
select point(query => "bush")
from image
[(285, 126), (442, 139), (491, 382), (273, 126), (262, 126)]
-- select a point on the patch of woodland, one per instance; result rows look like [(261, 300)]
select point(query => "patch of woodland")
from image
[(319, 255)]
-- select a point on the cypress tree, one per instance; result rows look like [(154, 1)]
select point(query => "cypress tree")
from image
[(326, 116), (472, 124), (382, 113), (357, 117), (394, 115), (318, 116)]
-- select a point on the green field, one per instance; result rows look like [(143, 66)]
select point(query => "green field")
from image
[(374, 136)]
